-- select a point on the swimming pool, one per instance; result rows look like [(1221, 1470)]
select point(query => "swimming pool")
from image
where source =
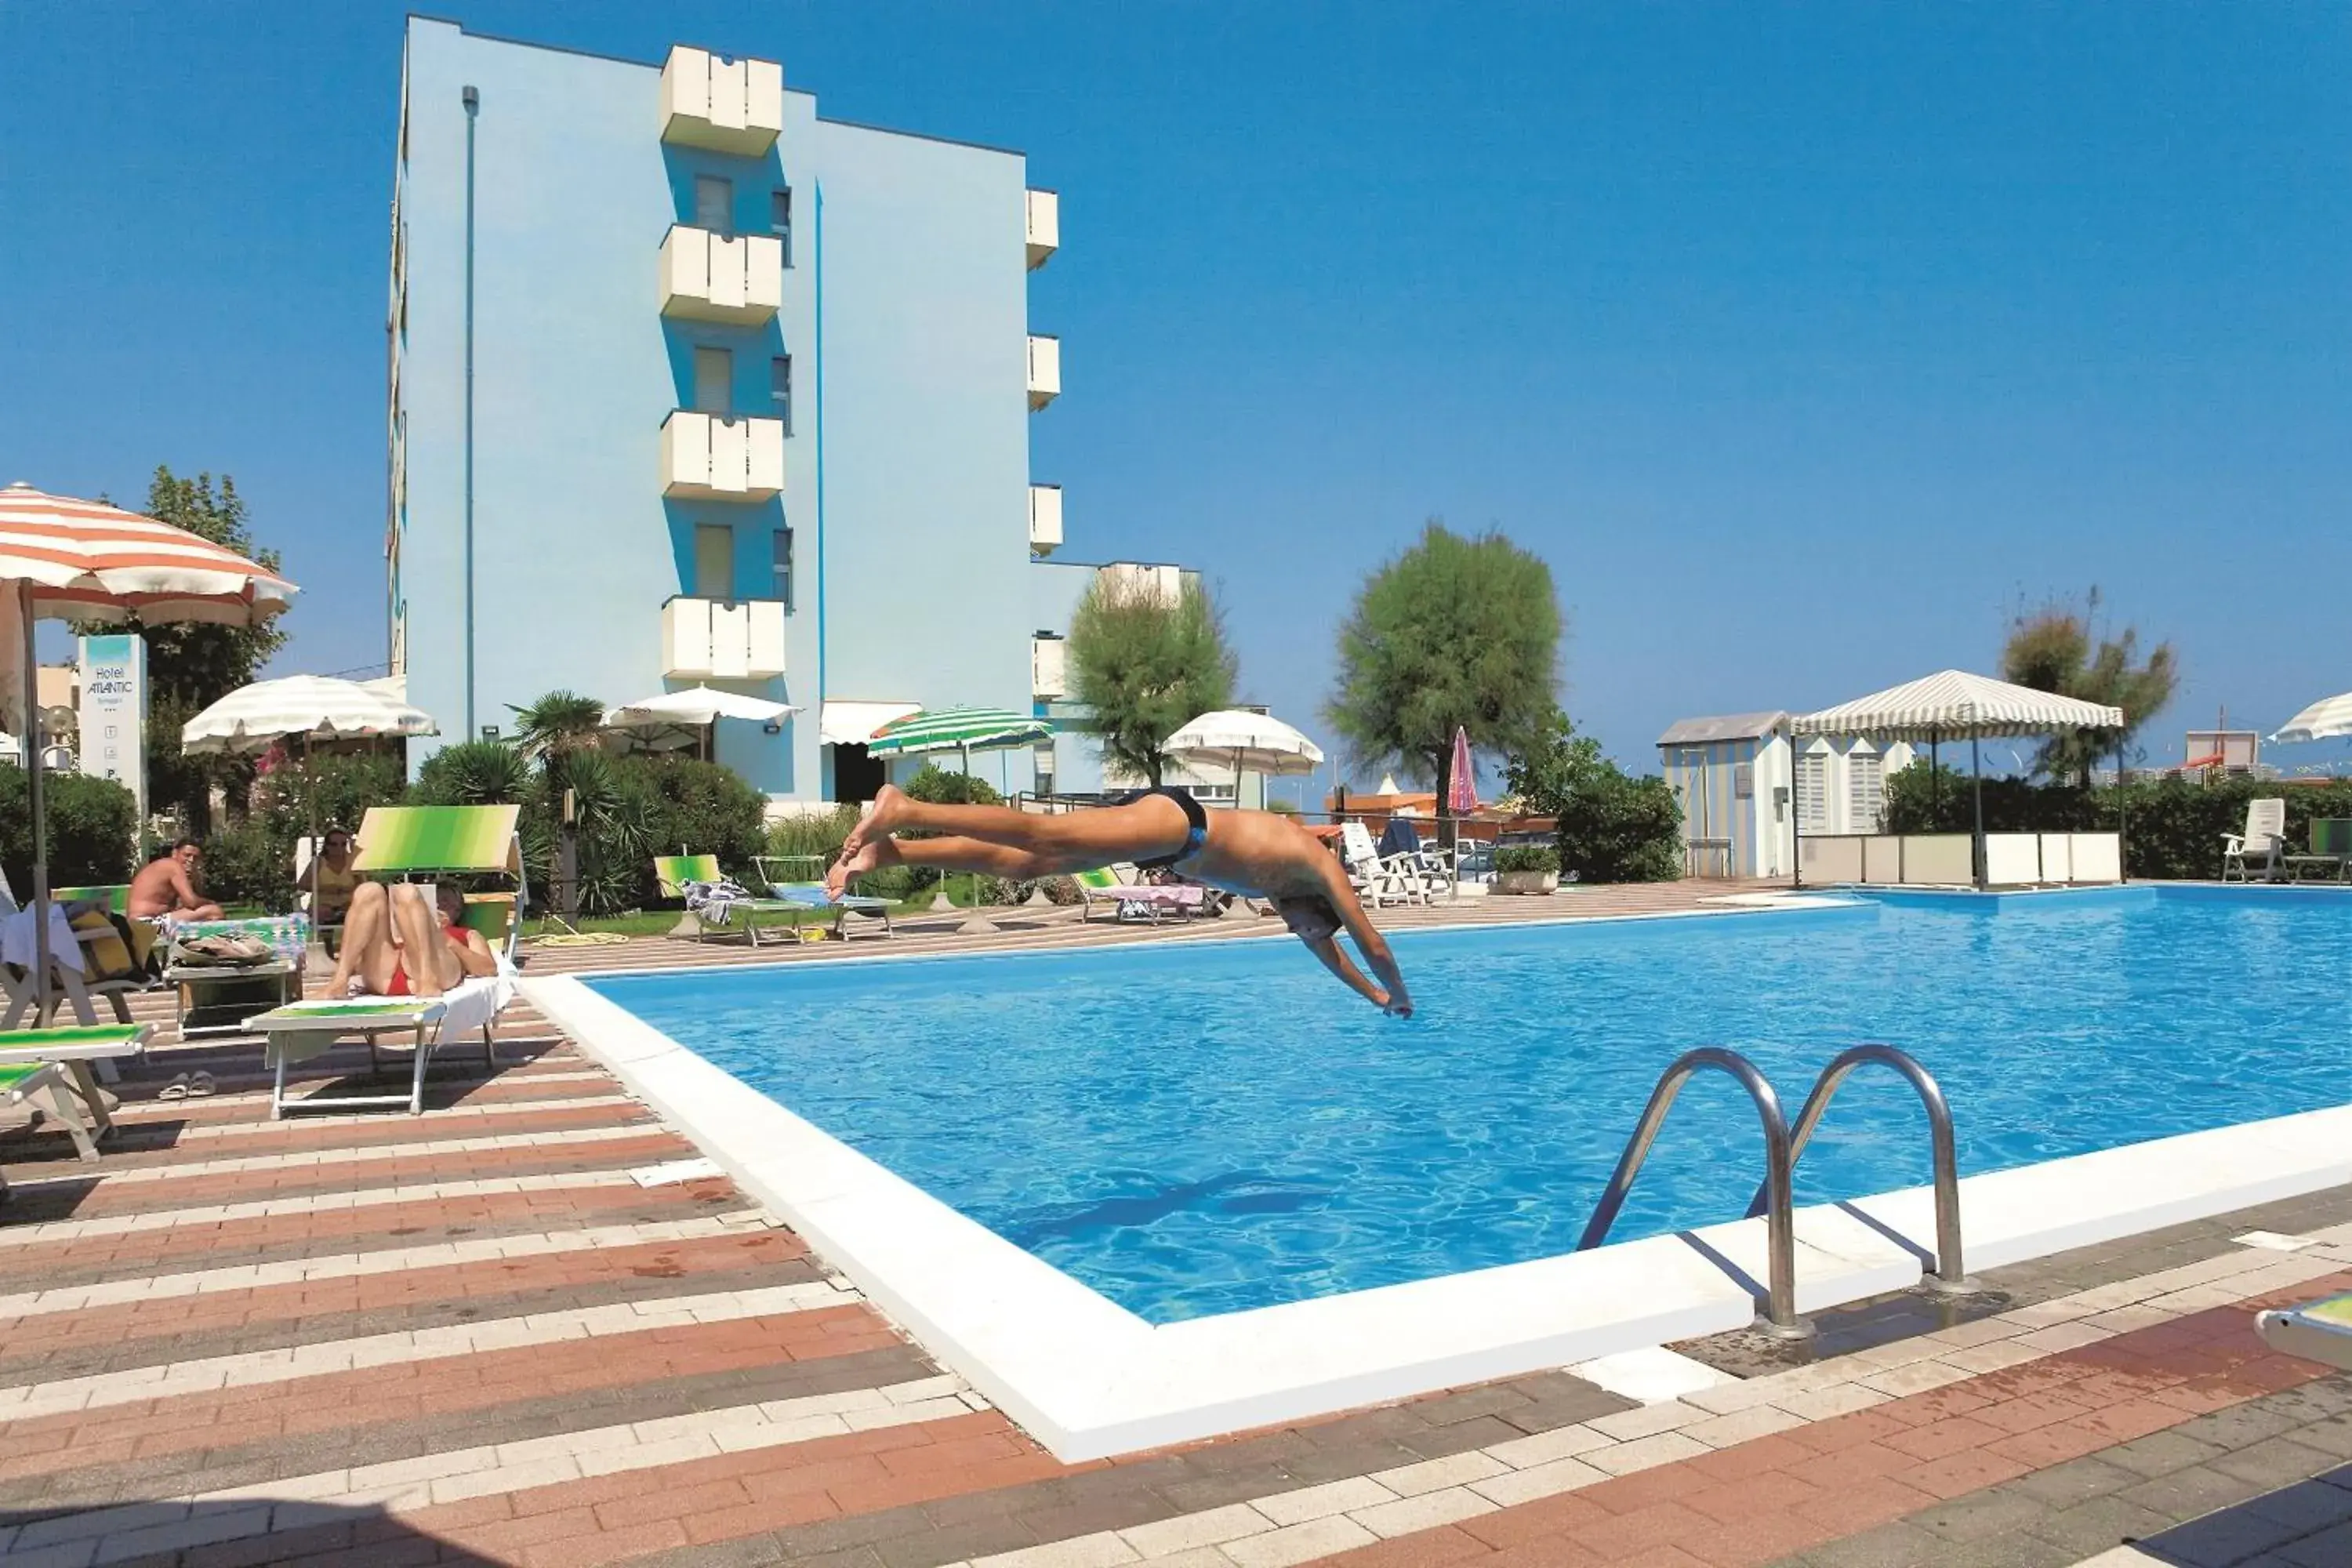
[(1193, 1129)]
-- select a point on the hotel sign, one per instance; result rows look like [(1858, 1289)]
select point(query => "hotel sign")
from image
[(113, 715)]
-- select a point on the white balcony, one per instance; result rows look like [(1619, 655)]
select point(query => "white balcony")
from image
[(708, 277), (712, 639), (705, 457), (1049, 667), (1044, 518), (1045, 226), (728, 106), (1157, 585), (1045, 371)]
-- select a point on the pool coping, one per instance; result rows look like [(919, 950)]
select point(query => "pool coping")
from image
[(1090, 1379)]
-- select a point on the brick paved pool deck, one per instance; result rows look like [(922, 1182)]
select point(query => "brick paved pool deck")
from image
[(512, 1330)]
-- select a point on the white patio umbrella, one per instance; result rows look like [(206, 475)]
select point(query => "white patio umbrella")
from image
[(315, 706), (79, 560), (1254, 740), (697, 708), (2323, 721), (1948, 705)]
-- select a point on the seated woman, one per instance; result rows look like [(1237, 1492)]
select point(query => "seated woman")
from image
[(331, 879), (396, 942)]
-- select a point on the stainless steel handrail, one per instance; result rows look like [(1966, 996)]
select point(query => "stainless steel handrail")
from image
[(1780, 1232), (1951, 1273)]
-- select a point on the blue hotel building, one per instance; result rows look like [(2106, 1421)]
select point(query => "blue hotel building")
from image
[(688, 386)]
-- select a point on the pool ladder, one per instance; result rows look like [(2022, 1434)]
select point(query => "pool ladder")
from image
[(1781, 1150)]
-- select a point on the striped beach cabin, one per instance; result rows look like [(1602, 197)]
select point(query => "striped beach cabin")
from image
[(1741, 787)]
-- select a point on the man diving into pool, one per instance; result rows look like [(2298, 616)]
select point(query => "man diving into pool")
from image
[(1253, 854)]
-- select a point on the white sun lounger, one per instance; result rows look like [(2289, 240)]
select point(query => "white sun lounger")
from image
[(301, 1030)]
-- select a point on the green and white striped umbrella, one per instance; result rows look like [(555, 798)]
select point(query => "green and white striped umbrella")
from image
[(959, 729)]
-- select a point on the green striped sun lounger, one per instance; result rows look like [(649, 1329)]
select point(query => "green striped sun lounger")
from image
[(800, 879), (1130, 898), (412, 842), (2316, 1331), (676, 873), (56, 1064), (300, 1030), (114, 898)]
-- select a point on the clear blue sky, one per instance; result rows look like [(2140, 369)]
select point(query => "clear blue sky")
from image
[(1801, 341)]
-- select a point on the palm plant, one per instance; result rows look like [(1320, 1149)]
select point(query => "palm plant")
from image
[(560, 723), (475, 772)]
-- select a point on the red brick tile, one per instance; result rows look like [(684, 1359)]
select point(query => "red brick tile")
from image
[(1863, 1504), (670, 1502), (1424, 1549), (500, 1534), (1545, 1551), (1951, 1436), (2030, 1411), (1972, 1469), (1847, 1431), (605, 1546), (1755, 1539), (1642, 1489), (1569, 1513), (1660, 1524), (1771, 1492), (765, 1513), (1864, 1461), (2053, 1445), (2200, 1396), (1776, 1452), (2133, 1418)]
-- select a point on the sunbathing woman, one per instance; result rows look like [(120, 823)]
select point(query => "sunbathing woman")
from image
[(395, 943), (1253, 854)]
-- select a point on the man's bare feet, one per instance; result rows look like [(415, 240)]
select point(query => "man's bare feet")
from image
[(889, 808), (869, 856)]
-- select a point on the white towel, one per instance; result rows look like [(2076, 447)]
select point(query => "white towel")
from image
[(18, 940)]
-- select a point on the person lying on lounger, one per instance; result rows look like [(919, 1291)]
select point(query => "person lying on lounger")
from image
[(398, 943), (1253, 854)]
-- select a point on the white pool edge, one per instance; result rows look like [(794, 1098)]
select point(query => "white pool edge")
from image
[(1090, 1379)]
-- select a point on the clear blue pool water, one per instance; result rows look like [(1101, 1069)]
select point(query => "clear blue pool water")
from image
[(1193, 1129)]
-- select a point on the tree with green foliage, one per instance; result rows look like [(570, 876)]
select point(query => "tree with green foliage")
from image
[(2055, 647), (1613, 827), (1456, 632), (190, 667), (1141, 666)]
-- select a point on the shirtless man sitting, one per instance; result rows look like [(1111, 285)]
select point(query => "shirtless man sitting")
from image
[(1253, 854), (396, 942), (166, 886)]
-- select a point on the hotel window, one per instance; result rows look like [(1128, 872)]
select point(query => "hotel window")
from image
[(779, 389), (714, 378), (714, 203), (714, 561), (1813, 792), (779, 219), (783, 548), (1865, 784)]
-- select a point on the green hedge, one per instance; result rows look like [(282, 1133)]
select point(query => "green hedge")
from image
[(2172, 826), (1526, 857), (252, 862), (93, 830)]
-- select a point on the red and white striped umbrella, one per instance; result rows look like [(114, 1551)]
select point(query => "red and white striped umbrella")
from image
[(77, 560), (85, 561)]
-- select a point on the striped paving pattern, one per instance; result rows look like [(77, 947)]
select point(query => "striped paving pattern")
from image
[(475, 1335)]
